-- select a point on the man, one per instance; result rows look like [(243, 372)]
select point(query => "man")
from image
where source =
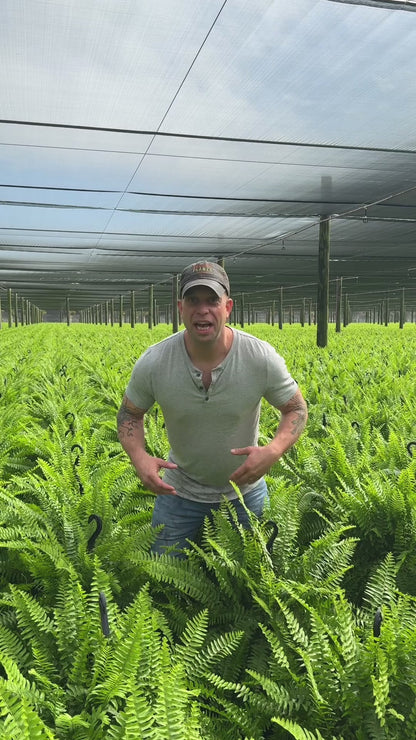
[(209, 381)]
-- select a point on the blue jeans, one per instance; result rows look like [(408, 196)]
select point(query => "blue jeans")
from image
[(182, 518)]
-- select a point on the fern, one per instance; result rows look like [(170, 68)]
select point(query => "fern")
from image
[(298, 732), (21, 721)]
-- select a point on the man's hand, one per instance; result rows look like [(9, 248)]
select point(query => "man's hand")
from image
[(130, 429), (294, 414), (259, 461), (148, 468)]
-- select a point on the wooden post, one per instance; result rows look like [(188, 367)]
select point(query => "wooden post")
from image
[(323, 282), (345, 317), (132, 309), (150, 307), (338, 301), (402, 317), (16, 310), (120, 310), (281, 308), (9, 301), (175, 298)]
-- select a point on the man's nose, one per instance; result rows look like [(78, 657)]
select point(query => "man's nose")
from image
[(203, 307)]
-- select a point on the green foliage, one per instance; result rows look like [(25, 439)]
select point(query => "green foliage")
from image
[(242, 640)]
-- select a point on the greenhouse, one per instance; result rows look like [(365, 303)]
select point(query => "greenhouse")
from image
[(276, 139)]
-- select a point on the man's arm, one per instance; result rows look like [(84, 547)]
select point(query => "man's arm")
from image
[(259, 460), (130, 430)]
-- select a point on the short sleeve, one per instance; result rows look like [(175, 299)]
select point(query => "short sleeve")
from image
[(280, 384), (139, 390)]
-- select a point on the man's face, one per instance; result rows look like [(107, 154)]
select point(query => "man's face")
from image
[(204, 313)]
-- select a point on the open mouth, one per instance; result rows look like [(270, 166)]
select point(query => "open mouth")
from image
[(203, 326)]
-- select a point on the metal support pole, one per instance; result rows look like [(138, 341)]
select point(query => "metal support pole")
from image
[(281, 308), (68, 316), (242, 311)]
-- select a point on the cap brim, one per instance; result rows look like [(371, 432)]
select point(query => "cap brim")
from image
[(213, 284)]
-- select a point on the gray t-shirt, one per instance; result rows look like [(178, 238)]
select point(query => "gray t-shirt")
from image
[(204, 425)]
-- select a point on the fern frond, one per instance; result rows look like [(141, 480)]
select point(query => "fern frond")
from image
[(192, 640), (381, 586), (297, 731), (185, 576), (21, 721)]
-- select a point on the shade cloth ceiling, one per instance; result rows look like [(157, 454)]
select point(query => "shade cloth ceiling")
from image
[(137, 137)]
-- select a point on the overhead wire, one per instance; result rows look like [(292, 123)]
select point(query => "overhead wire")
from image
[(206, 137), (169, 107)]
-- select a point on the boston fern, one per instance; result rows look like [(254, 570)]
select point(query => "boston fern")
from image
[(302, 627)]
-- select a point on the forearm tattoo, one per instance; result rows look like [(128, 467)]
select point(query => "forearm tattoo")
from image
[(298, 422), (127, 423), (298, 408)]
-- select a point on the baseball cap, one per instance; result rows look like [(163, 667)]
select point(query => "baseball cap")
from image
[(209, 274)]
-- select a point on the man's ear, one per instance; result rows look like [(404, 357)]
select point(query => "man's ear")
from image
[(229, 305)]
